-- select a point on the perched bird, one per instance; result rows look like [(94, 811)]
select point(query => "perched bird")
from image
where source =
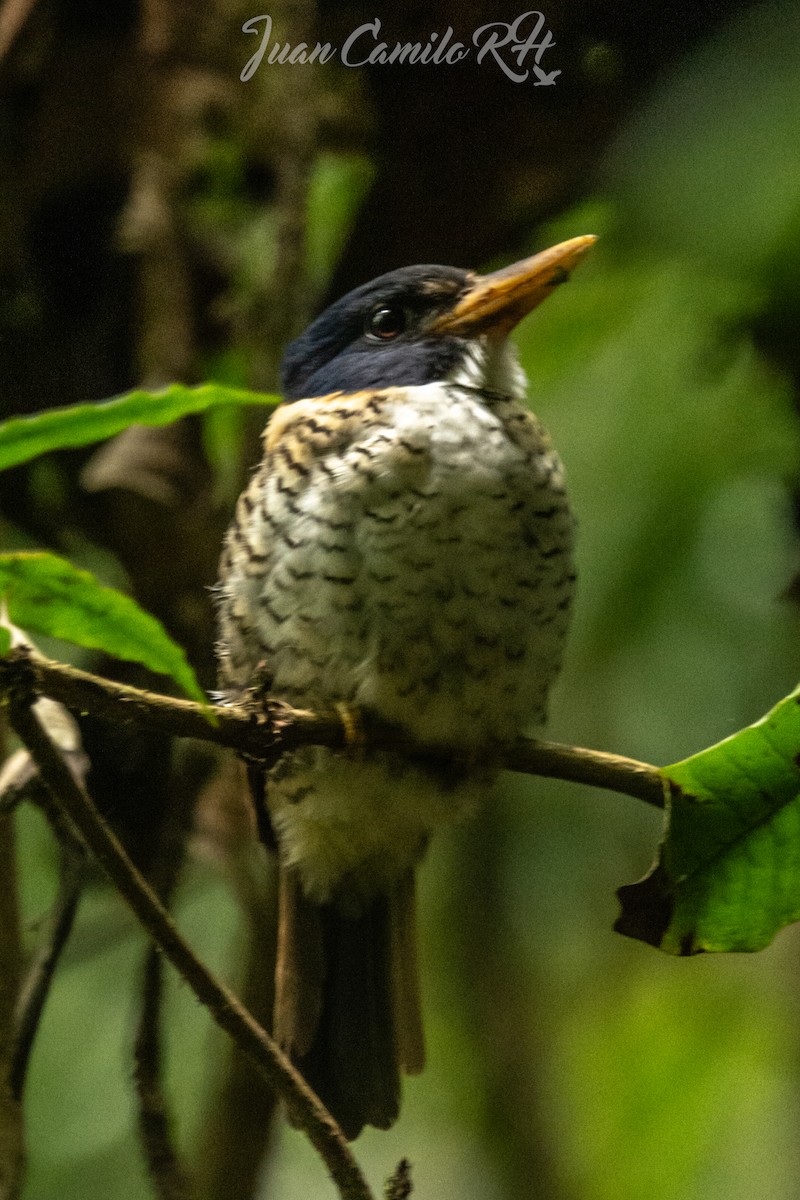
[(404, 549)]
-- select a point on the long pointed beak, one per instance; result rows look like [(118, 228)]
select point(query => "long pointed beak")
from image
[(495, 303)]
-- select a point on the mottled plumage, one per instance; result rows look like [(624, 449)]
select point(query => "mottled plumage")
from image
[(404, 548)]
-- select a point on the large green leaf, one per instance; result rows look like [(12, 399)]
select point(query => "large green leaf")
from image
[(23, 438), (47, 595), (728, 873)]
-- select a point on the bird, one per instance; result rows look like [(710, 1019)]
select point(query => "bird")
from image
[(403, 551)]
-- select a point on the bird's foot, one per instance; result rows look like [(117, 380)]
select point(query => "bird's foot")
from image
[(352, 725), (260, 684)]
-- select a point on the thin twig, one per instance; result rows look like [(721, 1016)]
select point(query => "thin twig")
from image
[(39, 977), (40, 971), (170, 1178), (240, 1109), (306, 1110), (268, 734), (398, 1185), (168, 1174), (596, 768), (12, 1146)]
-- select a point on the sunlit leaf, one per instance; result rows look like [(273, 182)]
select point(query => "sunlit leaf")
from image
[(728, 874), (47, 595), (23, 438)]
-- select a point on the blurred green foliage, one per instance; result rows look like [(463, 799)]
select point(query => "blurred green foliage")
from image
[(672, 1079), (23, 438), (339, 183), (728, 872), (46, 594)]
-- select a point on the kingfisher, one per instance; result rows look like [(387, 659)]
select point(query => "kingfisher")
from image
[(403, 551)]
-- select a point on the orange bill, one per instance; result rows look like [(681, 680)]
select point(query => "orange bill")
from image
[(495, 303)]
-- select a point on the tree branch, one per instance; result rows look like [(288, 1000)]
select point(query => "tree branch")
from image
[(12, 1145), (39, 977), (305, 1108), (170, 1178), (168, 1175), (276, 728), (22, 782), (264, 732)]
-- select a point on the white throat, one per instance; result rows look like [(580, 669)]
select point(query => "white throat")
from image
[(489, 365)]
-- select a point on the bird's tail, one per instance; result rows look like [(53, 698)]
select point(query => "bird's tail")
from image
[(347, 1005)]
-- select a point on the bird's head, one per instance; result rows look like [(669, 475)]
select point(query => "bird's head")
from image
[(423, 325)]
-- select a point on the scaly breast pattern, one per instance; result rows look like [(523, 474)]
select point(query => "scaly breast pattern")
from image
[(408, 551)]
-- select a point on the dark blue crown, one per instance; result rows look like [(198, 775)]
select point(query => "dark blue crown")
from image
[(378, 336)]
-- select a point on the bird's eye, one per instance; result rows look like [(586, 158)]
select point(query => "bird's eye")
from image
[(386, 322)]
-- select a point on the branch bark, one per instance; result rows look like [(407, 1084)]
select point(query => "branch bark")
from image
[(266, 732), (169, 1177), (168, 1174), (12, 1149), (306, 1110), (275, 728), (35, 988)]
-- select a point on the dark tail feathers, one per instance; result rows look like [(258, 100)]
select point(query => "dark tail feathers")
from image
[(347, 1003)]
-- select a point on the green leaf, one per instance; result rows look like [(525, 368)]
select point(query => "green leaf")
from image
[(23, 438), (728, 873), (47, 595), (5, 641)]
